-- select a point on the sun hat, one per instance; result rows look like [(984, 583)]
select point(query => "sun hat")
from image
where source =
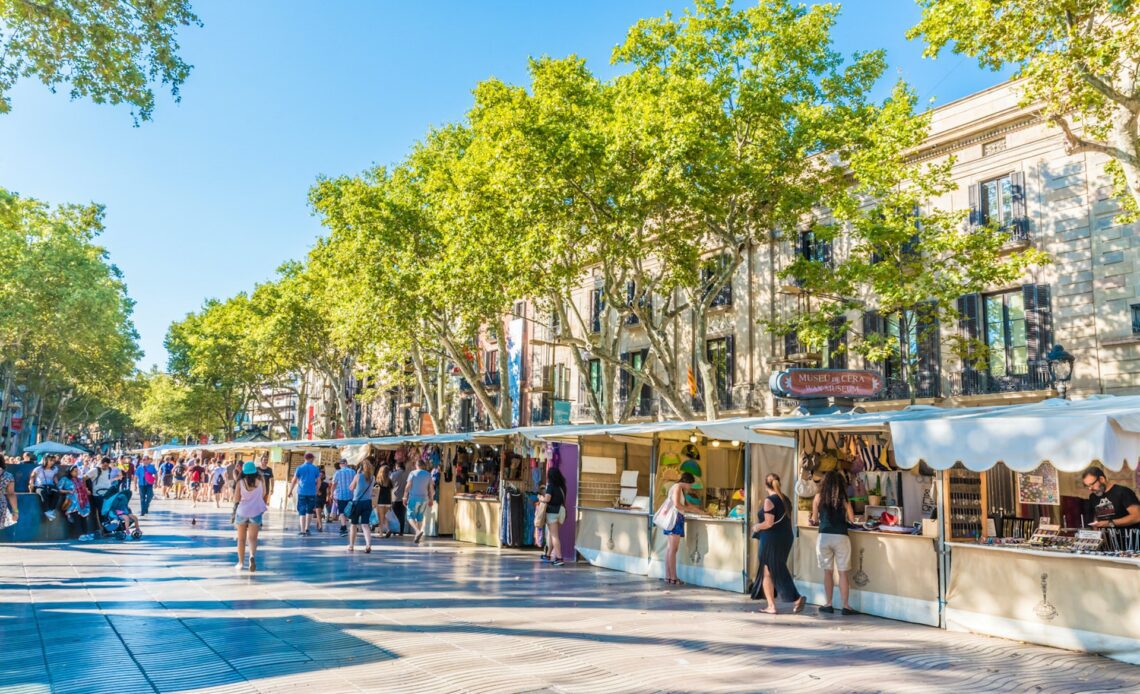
[(249, 468)]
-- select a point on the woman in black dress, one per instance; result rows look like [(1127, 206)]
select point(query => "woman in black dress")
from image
[(775, 534), (384, 497)]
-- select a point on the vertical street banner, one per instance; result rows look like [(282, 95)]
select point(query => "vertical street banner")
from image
[(514, 366)]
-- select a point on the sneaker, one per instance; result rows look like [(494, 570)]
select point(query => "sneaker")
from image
[(343, 530), (419, 536), (239, 566), (50, 515), (86, 538), (252, 564), (545, 558), (300, 533), (847, 612), (557, 562), (827, 609)]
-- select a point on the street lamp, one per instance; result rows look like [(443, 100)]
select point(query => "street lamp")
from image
[(1060, 369)]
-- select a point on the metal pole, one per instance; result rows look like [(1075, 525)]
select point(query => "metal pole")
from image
[(747, 506)]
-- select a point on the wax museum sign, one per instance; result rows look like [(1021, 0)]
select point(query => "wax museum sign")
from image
[(825, 383)]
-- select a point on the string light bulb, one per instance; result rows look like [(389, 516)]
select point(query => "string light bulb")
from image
[(735, 443), (692, 438), (716, 443)]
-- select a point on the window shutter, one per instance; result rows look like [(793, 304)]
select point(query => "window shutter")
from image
[(929, 353), (729, 361), (837, 341), (1038, 321), (1020, 222), (969, 321), (873, 324), (805, 245), (976, 205), (791, 344)]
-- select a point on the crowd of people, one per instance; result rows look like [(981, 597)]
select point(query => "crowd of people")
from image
[(92, 493)]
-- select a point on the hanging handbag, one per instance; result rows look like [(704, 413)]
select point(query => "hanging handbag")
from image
[(540, 514)]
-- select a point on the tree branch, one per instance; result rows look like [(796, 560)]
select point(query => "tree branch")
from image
[(1075, 144)]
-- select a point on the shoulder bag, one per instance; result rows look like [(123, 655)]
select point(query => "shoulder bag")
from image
[(666, 516)]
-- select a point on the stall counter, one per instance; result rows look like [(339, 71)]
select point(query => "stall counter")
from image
[(477, 519), (892, 575), (614, 538), (712, 554), (1073, 601)]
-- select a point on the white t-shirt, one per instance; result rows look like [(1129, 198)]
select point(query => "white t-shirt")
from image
[(42, 477)]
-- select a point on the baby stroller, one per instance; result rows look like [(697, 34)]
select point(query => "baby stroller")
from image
[(117, 512)]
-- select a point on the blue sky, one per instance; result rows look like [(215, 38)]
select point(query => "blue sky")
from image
[(210, 197)]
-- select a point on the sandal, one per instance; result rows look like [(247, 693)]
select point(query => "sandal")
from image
[(798, 605), (368, 549)]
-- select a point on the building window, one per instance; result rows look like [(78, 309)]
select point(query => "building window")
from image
[(597, 308), (1001, 202), (1135, 319), (814, 248), (644, 302), (491, 368), (594, 377), (921, 340), (1005, 333), (1016, 328), (997, 201), (636, 360), (710, 270), (719, 352)]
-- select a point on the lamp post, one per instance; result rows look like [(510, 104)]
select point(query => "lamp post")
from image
[(1060, 369)]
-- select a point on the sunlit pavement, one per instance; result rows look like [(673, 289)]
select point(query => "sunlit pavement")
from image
[(170, 613)]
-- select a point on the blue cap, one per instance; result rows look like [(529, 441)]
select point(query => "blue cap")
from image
[(249, 468)]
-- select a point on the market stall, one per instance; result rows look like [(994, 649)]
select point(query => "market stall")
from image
[(626, 472), (894, 543), (1023, 563), (478, 510)]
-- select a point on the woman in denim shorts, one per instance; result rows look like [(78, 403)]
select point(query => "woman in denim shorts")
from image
[(252, 503)]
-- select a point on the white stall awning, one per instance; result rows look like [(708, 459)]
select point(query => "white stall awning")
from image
[(1071, 435)]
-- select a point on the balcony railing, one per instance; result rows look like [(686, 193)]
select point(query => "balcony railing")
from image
[(492, 379), (897, 389), (1025, 378)]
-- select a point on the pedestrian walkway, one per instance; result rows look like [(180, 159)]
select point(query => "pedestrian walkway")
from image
[(170, 614)]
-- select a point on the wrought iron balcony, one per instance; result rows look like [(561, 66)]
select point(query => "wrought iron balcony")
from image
[(897, 389), (972, 382)]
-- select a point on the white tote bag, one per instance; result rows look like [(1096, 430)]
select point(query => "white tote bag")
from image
[(666, 516)]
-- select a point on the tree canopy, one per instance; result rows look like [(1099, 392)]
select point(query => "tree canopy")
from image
[(113, 51)]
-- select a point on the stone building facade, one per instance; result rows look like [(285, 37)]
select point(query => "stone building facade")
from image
[(1009, 168)]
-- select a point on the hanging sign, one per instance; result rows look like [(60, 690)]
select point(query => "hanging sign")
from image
[(825, 383)]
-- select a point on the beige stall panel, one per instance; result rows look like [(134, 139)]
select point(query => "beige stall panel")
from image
[(616, 533), (1080, 593), (782, 461), (477, 521), (711, 554), (901, 565), (638, 459)]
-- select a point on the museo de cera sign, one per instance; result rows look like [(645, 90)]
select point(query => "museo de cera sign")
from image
[(825, 383)]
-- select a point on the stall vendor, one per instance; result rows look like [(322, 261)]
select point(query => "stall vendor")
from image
[(1110, 505)]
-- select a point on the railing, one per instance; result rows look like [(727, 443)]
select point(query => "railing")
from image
[(643, 407), (971, 382), (897, 389), (492, 379)]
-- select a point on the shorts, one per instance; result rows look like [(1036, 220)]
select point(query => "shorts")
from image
[(195, 485), (678, 528), (167, 480), (306, 505), (559, 517), (834, 552), (218, 488), (254, 520), (341, 505), (361, 513), (416, 508)]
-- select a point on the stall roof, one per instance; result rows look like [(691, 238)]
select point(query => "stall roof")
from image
[(863, 421), (736, 429), (1069, 434)]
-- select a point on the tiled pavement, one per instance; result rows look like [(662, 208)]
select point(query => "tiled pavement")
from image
[(169, 613)]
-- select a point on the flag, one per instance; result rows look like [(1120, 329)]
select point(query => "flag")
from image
[(692, 383)]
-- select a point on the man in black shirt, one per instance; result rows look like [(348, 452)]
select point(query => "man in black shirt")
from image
[(1110, 505)]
